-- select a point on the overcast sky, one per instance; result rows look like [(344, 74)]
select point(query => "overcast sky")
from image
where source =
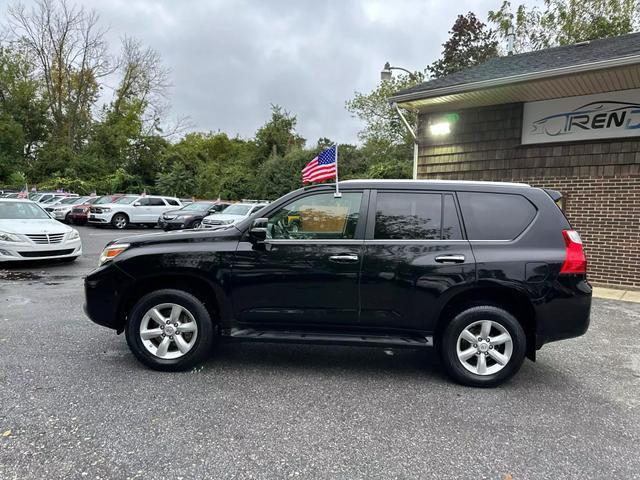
[(231, 59)]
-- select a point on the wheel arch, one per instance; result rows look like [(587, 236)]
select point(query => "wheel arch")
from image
[(209, 293), (510, 299)]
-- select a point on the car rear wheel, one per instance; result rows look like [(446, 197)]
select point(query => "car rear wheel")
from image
[(120, 221), (482, 346), (169, 330)]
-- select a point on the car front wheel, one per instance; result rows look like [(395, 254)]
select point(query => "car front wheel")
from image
[(482, 346), (120, 221), (169, 330)]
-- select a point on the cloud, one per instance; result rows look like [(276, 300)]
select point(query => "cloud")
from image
[(231, 59)]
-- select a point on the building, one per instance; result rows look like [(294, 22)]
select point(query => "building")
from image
[(566, 118)]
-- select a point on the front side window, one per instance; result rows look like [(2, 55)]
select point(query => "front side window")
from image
[(408, 216), (320, 216)]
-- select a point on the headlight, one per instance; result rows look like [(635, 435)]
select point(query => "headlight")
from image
[(74, 234), (112, 251), (227, 222), (103, 209), (8, 237)]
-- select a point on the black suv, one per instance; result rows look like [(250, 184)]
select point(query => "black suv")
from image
[(485, 272)]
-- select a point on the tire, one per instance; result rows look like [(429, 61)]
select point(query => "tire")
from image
[(466, 327), (195, 225), (67, 219), (119, 221), (201, 345)]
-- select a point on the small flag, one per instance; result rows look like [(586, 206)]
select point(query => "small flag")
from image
[(323, 167), (24, 193)]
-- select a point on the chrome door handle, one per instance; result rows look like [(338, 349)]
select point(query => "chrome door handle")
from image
[(450, 258), (344, 258)]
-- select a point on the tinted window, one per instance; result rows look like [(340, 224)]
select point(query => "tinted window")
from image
[(495, 216), (153, 202), (320, 216), (170, 201), (408, 216)]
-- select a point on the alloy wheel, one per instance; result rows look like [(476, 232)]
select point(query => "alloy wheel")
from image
[(120, 221), (484, 347), (168, 331)]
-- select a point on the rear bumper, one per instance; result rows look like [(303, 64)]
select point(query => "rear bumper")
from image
[(104, 289), (566, 312)]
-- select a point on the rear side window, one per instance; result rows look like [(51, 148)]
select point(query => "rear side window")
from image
[(495, 216), (156, 202), (408, 216), (171, 201)]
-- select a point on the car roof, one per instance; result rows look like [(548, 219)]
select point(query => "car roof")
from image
[(402, 184)]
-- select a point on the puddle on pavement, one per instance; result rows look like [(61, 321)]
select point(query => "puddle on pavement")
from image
[(33, 277)]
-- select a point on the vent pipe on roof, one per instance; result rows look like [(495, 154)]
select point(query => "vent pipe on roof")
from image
[(511, 37)]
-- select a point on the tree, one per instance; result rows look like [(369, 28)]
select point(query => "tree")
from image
[(278, 136), (381, 121), (71, 52), (470, 44), (565, 22)]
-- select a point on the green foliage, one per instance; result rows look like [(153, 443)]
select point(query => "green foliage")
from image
[(470, 44), (278, 135), (381, 121), (565, 22), (177, 181), (17, 180)]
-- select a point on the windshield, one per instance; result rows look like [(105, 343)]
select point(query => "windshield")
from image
[(198, 206), (51, 199), (126, 200), (71, 200), (237, 209), (105, 199), (21, 211)]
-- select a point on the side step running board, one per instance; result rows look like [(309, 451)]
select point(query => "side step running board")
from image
[(322, 338)]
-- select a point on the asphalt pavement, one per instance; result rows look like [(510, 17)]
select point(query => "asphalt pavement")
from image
[(74, 403)]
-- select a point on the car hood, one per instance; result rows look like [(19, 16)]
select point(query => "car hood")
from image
[(179, 236), (33, 226)]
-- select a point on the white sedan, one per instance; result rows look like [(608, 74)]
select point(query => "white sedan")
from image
[(27, 232)]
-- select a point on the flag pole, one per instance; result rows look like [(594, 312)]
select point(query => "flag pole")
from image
[(337, 194)]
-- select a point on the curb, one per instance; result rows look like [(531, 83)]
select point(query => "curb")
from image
[(615, 294)]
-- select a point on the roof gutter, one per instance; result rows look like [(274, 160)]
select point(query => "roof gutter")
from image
[(524, 77)]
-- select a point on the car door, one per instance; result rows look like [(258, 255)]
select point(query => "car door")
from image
[(303, 276), (415, 252), (153, 208)]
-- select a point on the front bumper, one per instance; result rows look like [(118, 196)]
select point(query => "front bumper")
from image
[(104, 290), (61, 215), (99, 218), (175, 224), (20, 252)]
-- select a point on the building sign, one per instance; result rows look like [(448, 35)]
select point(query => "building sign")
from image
[(588, 117)]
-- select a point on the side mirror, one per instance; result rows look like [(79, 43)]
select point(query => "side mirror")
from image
[(136, 204), (258, 230)]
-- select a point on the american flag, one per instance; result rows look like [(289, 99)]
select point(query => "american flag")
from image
[(323, 167), (24, 193)]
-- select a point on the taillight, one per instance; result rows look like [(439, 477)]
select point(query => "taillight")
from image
[(574, 261)]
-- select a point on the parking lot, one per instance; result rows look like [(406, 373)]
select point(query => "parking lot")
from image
[(74, 403)]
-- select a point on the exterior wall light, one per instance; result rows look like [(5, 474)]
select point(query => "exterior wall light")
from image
[(440, 128)]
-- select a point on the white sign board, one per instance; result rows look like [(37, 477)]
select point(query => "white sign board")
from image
[(588, 117)]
